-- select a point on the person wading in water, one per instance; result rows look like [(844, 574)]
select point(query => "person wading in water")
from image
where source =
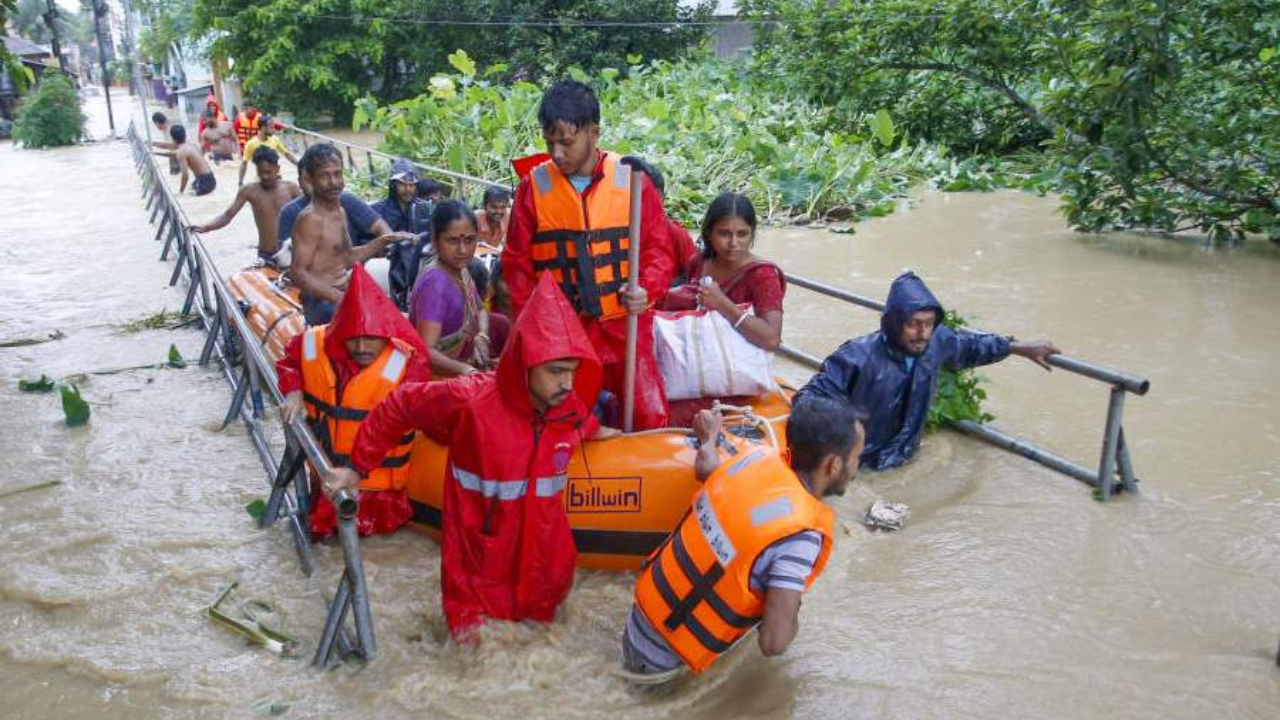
[(266, 197)]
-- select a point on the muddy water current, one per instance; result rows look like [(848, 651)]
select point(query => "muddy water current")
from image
[(1011, 593)]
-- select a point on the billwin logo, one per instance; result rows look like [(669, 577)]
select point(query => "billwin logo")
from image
[(603, 495)]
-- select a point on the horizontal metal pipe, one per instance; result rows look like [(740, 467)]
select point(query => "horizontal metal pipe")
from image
[(1132, 383), (1027, 450), (799, 356)]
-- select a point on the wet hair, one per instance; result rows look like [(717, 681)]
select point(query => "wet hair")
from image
[(726, 205), (569, 102), (449, 211), (265, 155), (316, 155), (819, 427), (428, 187), (265, 121), (655, 175), (479, 274), (178, 133), (493, 194), (159, 117)]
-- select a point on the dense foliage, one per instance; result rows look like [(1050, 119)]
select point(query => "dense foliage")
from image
[(959, 394), (706, 125), (50, 116), (318, 56), (1160, 114)]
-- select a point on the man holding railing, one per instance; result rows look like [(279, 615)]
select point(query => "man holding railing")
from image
[(893, 372)]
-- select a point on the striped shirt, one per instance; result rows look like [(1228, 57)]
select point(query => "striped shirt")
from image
[(786, 564)]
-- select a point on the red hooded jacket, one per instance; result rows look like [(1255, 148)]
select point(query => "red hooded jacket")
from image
[(609, 338), (507, 551), (365, 311)]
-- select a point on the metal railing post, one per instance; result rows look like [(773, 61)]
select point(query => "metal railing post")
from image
[(1110, 443)]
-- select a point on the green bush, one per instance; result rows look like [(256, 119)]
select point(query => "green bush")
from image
[(51, 115)]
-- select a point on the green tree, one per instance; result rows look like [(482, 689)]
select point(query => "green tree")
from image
[(9, 63), (319, 56), (51, 115), (1161, 113)]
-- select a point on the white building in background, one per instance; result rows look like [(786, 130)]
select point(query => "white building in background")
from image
[(732, 37)]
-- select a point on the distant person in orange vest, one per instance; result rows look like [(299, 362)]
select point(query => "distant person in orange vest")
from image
[(336, 374), (570, 218), (246, 126), (758, 535)]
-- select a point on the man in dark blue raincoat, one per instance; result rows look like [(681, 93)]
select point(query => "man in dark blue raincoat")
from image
[(405, 212), (893, 373)]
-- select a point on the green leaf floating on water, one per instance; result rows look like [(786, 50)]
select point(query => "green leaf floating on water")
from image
[(74, 407), (44, 384), (256, 509), (175, 357)]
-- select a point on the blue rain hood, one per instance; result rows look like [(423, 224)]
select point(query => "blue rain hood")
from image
[(873, 373)]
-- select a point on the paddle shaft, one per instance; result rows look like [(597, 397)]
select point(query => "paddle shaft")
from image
[(633, 321)]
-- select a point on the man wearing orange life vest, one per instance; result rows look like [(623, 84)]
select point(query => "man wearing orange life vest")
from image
[(570, 218), (757, 536), (336, 374), (246, 126)]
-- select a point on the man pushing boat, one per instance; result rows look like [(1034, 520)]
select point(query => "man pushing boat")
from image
[(336, 374), (506, 551)]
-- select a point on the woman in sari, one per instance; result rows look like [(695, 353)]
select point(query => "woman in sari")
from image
[(727, 276), (445, 306)]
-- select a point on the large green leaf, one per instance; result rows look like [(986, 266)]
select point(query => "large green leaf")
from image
[(74, 407)]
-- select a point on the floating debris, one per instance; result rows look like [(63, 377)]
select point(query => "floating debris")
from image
[(163, 320), (256, 509), (74, 407), (29, 488), (24, 342), (250, 627), (42, 385), (175, 357), (887, 515)]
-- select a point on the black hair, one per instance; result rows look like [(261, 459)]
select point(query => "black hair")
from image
[(569, 102), (479, 274), (655, 175), (317, 154), (265, 155), (819, 427), (726, 205), (428, 187), (159, 117), (493, 194), (178, 133), (446, 212)]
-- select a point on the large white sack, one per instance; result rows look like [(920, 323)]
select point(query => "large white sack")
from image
[(701, 355)]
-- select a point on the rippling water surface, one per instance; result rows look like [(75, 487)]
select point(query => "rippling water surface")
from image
[(1010, 594)]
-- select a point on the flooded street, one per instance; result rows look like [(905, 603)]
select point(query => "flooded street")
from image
[(1011, 593)]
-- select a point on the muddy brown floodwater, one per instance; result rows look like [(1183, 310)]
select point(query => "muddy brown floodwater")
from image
[(1011, 593)]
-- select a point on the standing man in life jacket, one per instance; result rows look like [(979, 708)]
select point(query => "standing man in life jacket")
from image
[(758, 535), (245, 126), (570, 218), (507, 552), (336, 374)]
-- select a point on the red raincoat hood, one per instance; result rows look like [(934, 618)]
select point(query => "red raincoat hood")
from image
[(366, 311), (547, 330)]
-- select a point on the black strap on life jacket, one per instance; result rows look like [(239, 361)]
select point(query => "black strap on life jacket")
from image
[(703, 590), (577, 274)]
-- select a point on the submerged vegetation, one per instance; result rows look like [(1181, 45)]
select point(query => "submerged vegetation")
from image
[(709, 126)]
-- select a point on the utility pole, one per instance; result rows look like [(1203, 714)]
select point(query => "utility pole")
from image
[(103, 32), (51, 20)]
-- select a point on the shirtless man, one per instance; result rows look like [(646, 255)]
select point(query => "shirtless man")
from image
[(322, 249), (192, 162), (218, 137), (266, 197)]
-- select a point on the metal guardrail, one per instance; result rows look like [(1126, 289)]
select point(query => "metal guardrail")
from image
[(251, 375), (1115, 451), (376, 169)]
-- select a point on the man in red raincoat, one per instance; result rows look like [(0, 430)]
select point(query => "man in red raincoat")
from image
[(337, 373), (575, 203), (507, 551)]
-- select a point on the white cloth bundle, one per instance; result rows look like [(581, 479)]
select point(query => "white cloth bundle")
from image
[(701, 355)]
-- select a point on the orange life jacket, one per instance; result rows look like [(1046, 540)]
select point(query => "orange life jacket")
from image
[(245, 127), (338, 412), (581, 239), (696, 589)]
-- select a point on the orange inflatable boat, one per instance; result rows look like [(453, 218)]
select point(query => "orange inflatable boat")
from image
[(624, 495)]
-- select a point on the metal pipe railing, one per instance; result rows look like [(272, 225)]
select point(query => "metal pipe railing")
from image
[(229, 334), (1115, 454)]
